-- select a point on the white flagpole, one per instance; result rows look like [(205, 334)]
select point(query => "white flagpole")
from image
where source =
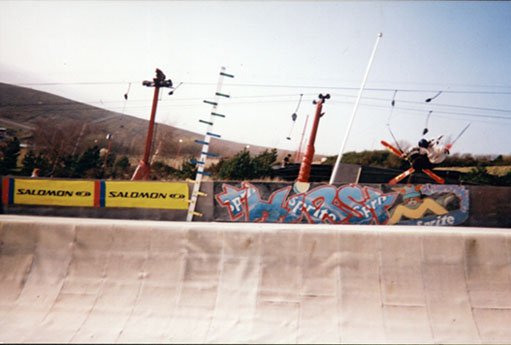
[(338, 162)]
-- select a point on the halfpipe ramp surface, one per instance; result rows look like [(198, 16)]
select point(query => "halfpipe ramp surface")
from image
[(86, 280)]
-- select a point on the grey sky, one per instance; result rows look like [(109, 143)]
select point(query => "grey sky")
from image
[(89, 51)]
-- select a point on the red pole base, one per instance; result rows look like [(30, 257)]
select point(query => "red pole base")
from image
[(141, 172), (305, 167)]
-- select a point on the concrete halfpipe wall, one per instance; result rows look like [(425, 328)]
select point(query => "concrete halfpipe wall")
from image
[(87, 280)]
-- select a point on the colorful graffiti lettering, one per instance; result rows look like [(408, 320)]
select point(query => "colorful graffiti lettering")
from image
[(348, 204)]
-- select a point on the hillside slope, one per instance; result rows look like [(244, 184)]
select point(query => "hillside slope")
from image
[(42, 119)]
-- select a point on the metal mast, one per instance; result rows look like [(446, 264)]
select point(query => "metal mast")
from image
[(341, 151), (201, 163), (143, 169)]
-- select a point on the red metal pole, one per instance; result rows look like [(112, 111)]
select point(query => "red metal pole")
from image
[(143, 169), (305, 167), (150, 130)]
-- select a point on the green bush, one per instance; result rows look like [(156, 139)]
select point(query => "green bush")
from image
[(34, 160), (9, 153), (245, 167)]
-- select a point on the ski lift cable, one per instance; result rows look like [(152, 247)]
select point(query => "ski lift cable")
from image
[(367, 98), (294, 116), (459, 135), (428, 100), (436, 104), (394, 137), (393, 103), (126, 98), (291, 131), (73, 105), (432, 98), (299, 102), (260, 96), (354, 88), (113, 82), (426, 130), (177, 87), (70, 106), (92, 83), (127, 92)]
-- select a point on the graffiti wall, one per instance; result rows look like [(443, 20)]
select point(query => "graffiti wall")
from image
[(427, 204)]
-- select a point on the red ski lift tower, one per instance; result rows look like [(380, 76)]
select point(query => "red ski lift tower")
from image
[(305, 167), (143, 169)]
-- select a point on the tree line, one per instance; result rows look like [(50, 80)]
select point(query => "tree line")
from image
[(478, 174), (95, 163)]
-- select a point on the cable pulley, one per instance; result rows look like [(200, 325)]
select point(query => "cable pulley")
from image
[(294, 116)]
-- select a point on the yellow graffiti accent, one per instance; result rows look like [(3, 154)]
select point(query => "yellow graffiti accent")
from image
[(428, 204)]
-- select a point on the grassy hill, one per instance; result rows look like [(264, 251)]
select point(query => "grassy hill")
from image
[(42, 119)]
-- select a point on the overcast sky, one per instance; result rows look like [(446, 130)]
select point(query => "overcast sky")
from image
[(90, 51)]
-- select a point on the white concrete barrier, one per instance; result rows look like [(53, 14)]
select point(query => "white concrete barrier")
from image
[(90, 281)]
